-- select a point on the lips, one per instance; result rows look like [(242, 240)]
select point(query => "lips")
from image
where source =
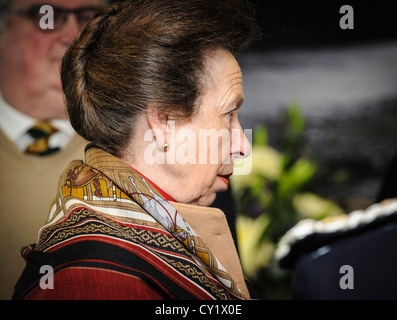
[(224, 178)]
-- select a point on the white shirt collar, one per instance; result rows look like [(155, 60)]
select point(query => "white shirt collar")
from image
[(15, 124)]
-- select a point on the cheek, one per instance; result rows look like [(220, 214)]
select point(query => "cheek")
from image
[(202, 177), (220, 148), (225, 144), (206, 188), (213, 146), (38, 62), (29, 57)]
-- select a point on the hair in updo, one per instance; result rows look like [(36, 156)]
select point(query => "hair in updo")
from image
[(146, 51)]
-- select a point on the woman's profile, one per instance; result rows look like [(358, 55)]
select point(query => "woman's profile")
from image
[(154, 87)]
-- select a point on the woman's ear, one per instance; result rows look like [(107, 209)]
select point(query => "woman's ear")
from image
[(158, 123)]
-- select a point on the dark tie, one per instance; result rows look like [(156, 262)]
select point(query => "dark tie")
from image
[(41, 133)]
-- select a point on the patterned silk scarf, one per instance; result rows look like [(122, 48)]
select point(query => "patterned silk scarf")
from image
[(107, 185)]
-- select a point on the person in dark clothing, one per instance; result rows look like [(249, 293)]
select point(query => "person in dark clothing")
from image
[(351, 257), (388, 187)]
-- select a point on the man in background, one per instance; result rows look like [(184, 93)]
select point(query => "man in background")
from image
[(36, 139)]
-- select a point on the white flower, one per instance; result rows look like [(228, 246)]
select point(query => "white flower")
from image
[(254, 253), (313, 206), (266, 162)]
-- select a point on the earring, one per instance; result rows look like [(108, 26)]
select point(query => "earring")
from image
[(165, 147)]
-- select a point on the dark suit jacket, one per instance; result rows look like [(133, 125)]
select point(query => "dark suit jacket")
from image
[(358, 263)]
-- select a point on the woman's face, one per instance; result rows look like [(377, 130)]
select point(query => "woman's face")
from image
[(203, 147)]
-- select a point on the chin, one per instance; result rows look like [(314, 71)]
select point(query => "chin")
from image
[(207, 201), (212, 199)]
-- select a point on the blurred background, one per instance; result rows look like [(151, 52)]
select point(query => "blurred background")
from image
[(322, 103), (344, 81)]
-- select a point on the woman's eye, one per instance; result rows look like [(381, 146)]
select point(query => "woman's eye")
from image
[(231, 113)]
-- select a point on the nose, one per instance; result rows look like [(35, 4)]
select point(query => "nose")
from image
[(240, 145), (69, 30)]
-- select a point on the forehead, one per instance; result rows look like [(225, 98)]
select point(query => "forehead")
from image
[(223, 73), (221, 61)]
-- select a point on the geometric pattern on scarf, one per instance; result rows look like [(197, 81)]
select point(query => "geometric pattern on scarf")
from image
[(105, 185)]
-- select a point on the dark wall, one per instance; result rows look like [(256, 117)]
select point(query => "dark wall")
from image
[(309, 23)]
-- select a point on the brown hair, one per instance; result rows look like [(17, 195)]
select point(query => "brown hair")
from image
[(142, 51)]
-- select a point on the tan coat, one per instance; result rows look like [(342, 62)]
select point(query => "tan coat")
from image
[(27, 185), (217, 236)]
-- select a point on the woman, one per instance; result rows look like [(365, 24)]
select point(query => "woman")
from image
[(155, 87)]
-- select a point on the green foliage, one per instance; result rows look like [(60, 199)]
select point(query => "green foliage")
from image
[(271, 199)]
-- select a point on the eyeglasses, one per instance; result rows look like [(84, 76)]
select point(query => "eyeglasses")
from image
[(83, 16)]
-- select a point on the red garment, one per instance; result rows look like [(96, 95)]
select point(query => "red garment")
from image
[(99, 284), (111, 234)]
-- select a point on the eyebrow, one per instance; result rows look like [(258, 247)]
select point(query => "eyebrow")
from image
[(239, 101), (236, 103)]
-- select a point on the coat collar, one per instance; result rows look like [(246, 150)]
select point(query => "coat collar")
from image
[(172, 216)]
